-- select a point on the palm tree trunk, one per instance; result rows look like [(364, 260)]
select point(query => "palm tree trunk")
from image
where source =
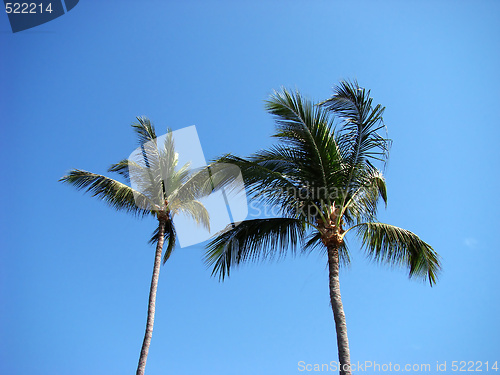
[(338, 311), (152, 300)]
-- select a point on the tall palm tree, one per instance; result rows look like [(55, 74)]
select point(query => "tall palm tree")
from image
[(159, 189), (323, 181)]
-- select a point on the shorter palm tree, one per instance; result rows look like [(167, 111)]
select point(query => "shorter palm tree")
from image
[(161, 189), (322, 180)]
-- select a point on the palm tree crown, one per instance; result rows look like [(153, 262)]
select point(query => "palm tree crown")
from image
[(322, 180)]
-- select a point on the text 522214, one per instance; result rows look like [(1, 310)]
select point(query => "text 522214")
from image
[(28, 8)]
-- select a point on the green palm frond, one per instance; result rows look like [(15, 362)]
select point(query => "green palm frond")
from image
[(293, 165), (147, 158), (122, 168), (253, 240), (308, 130), (170, 238), (281, 159), (115, 193), (257, 174), (271, 187), (222, 176), (145, 130), (268, 181), (362, 204), (389, 244), (358, 139)]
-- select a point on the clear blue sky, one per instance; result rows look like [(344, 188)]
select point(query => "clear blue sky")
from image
[(74, 274)]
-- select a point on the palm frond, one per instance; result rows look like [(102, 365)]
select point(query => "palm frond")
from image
[(170, 238), (273, 178), (147, 158), (389, 244), (361, 205), (190, 185), (146, 180), (292, 163), (115, 193), (143, 170), (271, 187), (145, 130), (193, 209), (172, 176), (122, 168), (201, 182), (308, 129), (358, 139), (252, 240)]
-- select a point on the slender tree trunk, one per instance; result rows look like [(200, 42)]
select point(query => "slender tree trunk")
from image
[(152, 300), (338, 311)]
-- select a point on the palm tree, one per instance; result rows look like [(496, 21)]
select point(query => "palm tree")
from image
[(322, 180), (160, 189)]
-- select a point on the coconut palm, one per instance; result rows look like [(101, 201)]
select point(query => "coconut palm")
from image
[(322, 180), (159, 188)]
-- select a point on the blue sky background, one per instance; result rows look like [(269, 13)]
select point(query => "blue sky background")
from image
[(74, 274)]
